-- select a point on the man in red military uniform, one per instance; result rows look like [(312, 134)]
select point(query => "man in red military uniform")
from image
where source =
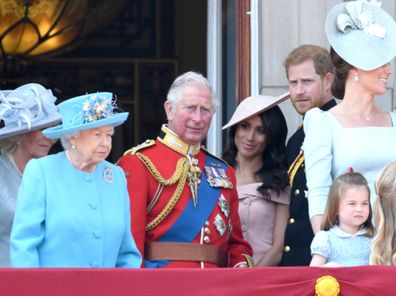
[(184, 205)]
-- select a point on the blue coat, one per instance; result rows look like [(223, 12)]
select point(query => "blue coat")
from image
[(69, 218)]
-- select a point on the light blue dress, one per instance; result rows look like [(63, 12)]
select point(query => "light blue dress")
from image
[(330, 149), (69, 218), (344, 248)]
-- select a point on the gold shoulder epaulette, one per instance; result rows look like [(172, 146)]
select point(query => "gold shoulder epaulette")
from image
[(214, 156), (145, 144)]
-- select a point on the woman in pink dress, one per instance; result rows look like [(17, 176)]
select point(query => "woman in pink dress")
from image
[(257, 151)]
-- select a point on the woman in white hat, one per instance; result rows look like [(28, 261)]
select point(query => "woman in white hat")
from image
[(257, 151), (24, 112), (356, 134), (73, 207)]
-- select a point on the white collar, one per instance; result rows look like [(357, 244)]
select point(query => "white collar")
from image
[(336, 230)]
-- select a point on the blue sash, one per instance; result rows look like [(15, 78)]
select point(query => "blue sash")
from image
[(190, 222)]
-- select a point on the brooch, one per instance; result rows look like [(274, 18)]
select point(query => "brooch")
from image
[(108, 175)]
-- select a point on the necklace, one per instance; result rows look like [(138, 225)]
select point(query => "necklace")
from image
[(362, 117), (366, 118), (369, 116)]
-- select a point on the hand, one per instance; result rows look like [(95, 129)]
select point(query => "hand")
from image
[(332, 264), (241, 265)]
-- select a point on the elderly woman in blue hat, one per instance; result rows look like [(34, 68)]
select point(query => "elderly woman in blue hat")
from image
[(24, 112), (355, 135), (73, 207)]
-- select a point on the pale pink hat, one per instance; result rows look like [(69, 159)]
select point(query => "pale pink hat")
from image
[(254, 105)]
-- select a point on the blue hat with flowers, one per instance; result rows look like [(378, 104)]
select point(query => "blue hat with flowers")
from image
[(86, 112), (362, 33), (28, 108)]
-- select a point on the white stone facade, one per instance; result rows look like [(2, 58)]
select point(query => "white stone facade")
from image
[(286, 24)]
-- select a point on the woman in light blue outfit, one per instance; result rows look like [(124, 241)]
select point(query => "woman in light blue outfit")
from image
[(73, 207), (356, 134)]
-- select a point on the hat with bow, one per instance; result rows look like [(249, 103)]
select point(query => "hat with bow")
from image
[(362, 33), (28, 108)]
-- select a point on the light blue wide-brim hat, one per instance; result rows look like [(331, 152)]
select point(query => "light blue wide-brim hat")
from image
[(28, 108), (362, 34), (86, 112)]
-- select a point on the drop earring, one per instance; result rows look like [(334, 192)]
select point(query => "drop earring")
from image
[(356, 77)]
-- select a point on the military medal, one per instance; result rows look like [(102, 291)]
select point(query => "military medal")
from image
[(220, 224), (224, 205), (108, 175), (217, 177), (229, 229)]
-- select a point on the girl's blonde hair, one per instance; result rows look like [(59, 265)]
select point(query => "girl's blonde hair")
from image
[(384, 242), (337, 190)]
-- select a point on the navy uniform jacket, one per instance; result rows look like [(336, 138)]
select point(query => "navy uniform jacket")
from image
[(298, 234)]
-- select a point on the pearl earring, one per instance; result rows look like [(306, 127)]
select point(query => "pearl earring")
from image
[(73, 146), (356, 77)]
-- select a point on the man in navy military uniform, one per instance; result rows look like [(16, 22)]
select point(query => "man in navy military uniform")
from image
[(310, 75)]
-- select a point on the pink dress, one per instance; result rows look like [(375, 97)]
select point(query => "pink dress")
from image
[(257, 216)]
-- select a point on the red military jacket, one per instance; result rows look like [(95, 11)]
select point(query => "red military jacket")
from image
[(143, 187)]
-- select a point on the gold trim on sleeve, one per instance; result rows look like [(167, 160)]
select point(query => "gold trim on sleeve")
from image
[(295, 166)]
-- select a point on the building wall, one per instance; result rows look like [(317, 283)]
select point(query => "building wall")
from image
[(287, 24)]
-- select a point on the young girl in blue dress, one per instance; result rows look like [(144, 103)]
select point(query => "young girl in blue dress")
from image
[(346, 230)]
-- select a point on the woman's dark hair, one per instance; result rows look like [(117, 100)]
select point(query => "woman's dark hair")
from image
[(341, 73), (273, 173)]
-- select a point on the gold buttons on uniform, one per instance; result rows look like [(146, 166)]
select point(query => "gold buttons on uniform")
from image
[(286, 249), (207, 230), (291, 220), (296, 192), (206, 239)]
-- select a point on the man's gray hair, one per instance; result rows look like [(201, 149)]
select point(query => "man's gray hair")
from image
[(188, 79)]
